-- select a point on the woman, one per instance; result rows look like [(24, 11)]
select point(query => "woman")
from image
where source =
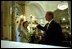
[(24, 31)]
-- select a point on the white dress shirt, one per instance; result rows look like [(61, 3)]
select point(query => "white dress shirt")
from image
[(49, 23)]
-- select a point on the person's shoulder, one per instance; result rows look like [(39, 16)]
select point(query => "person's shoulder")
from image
[(56, 23)]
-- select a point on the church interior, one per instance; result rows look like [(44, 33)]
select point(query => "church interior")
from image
[(33, 11)]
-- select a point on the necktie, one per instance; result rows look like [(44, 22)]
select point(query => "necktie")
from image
[(47, 25)]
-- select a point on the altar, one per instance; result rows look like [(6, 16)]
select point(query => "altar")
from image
[(12, 44)]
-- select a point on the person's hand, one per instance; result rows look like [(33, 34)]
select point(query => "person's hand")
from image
[(34, 25)]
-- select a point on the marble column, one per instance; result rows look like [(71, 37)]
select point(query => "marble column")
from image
[(5, 20), (69, 12), (13, 22)]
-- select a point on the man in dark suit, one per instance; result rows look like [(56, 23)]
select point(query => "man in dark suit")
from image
[(52, 31)]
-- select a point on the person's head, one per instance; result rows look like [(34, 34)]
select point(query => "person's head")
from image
[(49, 15), (25, 24)]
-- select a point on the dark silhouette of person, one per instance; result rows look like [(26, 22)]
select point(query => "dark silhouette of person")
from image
[(52, 31)]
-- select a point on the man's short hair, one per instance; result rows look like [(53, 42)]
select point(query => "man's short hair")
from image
[(50, 13)]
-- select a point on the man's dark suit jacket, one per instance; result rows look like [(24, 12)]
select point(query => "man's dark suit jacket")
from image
[(53, 34)]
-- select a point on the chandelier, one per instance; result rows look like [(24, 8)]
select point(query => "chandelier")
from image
[(63, 5)]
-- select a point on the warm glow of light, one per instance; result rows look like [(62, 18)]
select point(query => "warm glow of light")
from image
[(67, 27), (22, 16), (63, 19), (63, 6)]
